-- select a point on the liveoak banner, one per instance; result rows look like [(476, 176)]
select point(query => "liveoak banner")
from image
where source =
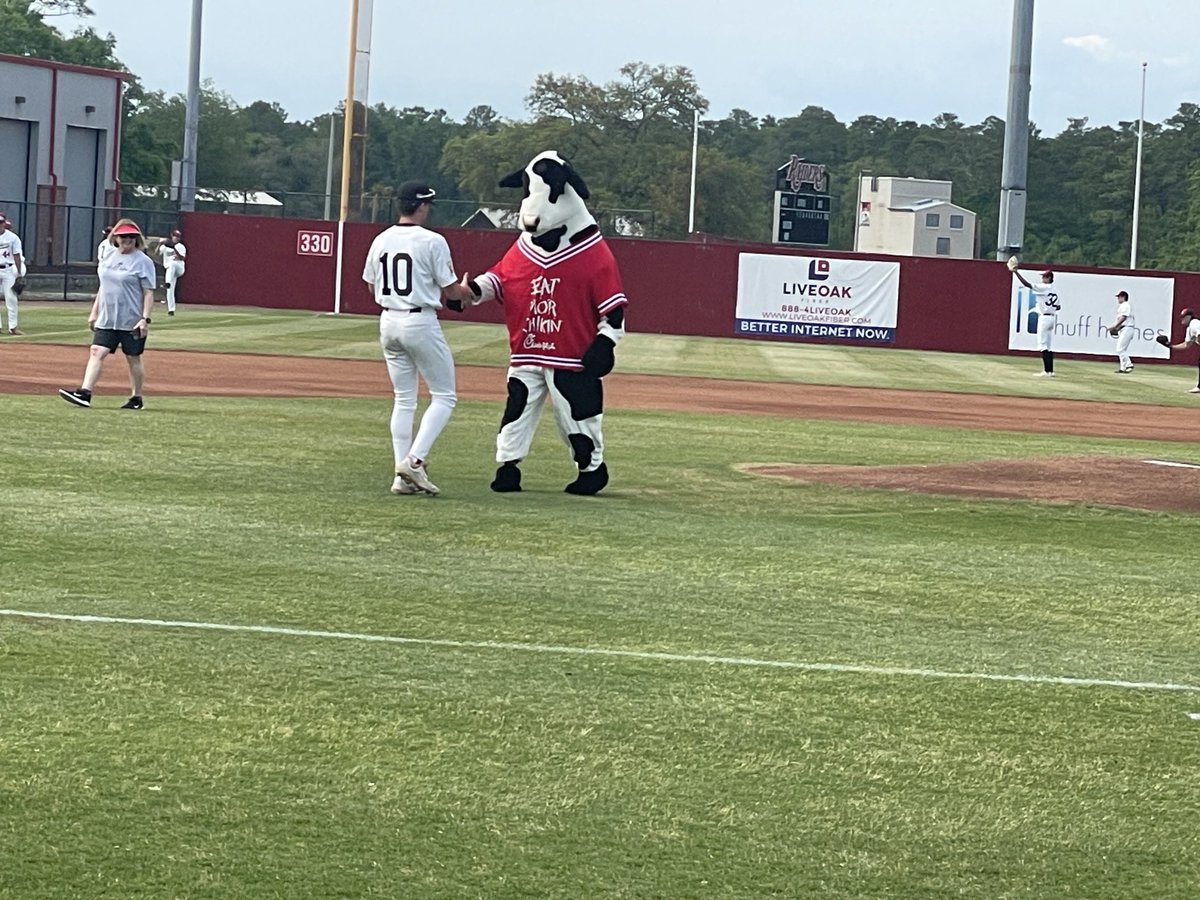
[(803, 297)]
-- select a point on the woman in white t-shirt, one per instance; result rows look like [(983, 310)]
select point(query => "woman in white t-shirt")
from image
[(120, 315)]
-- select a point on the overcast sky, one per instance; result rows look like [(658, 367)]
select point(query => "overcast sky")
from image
[(907, 59)]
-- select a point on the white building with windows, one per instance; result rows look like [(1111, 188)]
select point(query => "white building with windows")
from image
[(911, 217)]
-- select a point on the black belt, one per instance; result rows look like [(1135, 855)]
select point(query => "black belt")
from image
[(406, 309)]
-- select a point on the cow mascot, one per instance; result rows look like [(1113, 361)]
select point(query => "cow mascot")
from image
[(565, 311)]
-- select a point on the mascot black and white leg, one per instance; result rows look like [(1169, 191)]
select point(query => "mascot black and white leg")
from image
[(564, 307)]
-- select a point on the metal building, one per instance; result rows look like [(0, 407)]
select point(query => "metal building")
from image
[(60, 132)]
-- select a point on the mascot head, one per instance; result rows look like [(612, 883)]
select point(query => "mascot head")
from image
[(553, 213)]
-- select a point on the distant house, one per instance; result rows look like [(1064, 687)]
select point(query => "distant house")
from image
[(487, 217), (912, 217), (508, 220), (238, 199)]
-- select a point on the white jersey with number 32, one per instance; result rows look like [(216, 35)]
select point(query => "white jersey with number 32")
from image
[(408, 266)]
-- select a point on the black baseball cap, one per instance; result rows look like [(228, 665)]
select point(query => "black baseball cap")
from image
[(416, 192), (1124, 294)]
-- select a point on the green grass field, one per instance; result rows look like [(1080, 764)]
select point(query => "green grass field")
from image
[(699, 684)]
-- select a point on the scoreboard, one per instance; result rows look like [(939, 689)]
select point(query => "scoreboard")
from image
[(802, 203), (801, 218)]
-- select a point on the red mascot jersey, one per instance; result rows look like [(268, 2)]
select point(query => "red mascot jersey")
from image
[(553, 302)]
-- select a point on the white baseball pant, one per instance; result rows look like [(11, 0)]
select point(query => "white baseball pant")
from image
[(172, 275), (1124, 339), (8, 278), (1046, 325), (413, 344)]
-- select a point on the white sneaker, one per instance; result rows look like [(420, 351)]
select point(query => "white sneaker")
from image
[(400, 486), (414, 474), (1195, 390), (1044, 375)]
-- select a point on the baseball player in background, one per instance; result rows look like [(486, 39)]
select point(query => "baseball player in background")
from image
[(1191, 337), (1048, 309), (411, 273), (106, 245), (1123, 330), (12, 266), (173, 254)]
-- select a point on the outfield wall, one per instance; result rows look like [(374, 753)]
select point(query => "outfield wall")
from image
[(675, 287)]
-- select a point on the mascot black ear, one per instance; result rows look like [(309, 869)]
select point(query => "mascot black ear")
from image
[(575, 181), (515, 180)]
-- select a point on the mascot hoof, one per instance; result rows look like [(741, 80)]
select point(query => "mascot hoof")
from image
[(507, 480), (589, 483)]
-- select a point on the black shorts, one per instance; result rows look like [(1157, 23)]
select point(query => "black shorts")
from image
[(110, 339)]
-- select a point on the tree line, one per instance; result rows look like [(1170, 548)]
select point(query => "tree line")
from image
[(631, 139)]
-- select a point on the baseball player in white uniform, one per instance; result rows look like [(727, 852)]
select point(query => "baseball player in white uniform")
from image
[(1191, 337), (173, 254), (1048, 309), (106, 247), (411, 273), (1123, 328), (12, 266)]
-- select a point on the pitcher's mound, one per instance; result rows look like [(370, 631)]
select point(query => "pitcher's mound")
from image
[(1154, 484)]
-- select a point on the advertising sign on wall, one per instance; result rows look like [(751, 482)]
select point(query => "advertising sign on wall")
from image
[(804, 297), (1088, 306)]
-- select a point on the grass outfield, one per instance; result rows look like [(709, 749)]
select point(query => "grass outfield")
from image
[(794, 701)]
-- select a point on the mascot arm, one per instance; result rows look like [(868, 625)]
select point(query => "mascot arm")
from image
[(599, 358), (612, 326), (468, 292), (484, 288)]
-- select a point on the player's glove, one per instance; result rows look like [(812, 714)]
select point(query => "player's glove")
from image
[(1114, 330), (598, 359), (1012, 263), (454, 305), (1164, 340), (19, 286)]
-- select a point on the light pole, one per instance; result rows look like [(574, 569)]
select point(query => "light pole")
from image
[(1137, 178), (695, 147), (191, 115)]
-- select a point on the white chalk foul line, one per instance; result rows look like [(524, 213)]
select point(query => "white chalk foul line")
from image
[(605, 652), (1173, 465)]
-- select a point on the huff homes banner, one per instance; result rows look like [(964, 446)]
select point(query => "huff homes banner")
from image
[(1089, 306), (804, 297)]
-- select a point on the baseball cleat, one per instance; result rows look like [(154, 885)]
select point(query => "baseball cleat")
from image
[(414, 473), (1195, 390), (134, 402), (400, 487), (1044, 375), (79, 397)]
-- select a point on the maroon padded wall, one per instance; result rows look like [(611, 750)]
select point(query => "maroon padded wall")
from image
[(674, 287)]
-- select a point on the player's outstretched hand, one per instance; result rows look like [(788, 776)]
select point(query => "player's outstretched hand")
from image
[(1012, 263)]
